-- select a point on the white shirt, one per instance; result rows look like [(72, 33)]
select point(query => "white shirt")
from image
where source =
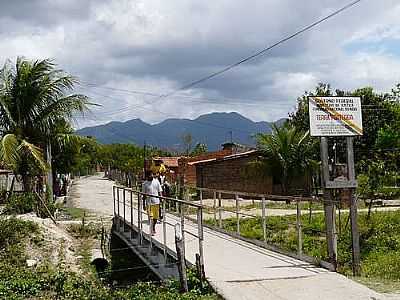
[(152, 188)]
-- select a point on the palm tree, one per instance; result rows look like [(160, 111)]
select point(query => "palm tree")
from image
[(34, 98), (288, 154)]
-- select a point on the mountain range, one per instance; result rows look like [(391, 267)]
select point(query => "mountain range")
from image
[(211, 129)]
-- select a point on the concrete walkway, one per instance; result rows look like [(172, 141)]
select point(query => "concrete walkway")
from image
[(237, 270)]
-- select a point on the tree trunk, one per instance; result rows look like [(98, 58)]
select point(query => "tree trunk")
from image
[(49, 172)]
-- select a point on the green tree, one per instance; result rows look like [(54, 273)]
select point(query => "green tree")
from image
[(288, 154), (200, 148), (34, 98)]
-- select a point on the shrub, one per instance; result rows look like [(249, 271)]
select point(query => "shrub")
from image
[(21, 203)]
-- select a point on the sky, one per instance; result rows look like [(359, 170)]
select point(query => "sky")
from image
[(126, 52)]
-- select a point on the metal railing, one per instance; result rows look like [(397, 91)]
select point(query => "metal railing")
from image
[(234, 205), (129, 205)]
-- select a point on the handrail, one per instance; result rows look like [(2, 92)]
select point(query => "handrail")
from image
[(127, 202), (258, 195)]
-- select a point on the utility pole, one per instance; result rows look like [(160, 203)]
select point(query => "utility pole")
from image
[(144, 159)]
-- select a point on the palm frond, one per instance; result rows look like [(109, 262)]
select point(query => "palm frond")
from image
[(35, 152), (9, 150)]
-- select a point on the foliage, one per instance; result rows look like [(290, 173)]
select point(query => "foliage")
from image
[(288, 154), (199, 149), (33, 100), (21, 203), (17, 281)]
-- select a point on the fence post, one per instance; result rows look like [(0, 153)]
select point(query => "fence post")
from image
[(201, 197), (299, 230), (264, 223), (215, 207), (237, 214), (219, 210)]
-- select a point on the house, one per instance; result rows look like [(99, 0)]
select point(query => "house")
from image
[(187, 174), (229, 173)]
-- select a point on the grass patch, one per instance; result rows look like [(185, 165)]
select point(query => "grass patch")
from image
[(379, 240), (74, 212), (47, 281)]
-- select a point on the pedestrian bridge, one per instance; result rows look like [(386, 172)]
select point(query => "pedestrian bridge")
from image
[(236, 269)]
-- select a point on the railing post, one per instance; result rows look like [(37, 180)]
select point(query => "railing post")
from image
[(164, 230), (299, 230), (215, 207), (131, 199), (219, 211), (264, 223), (123, 199), (237, 214), (140, 225), (119, 221), (201, 238), (183, 229), (114, 199), (201, 197)]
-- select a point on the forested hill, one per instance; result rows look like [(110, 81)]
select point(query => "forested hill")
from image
[(212, 129)]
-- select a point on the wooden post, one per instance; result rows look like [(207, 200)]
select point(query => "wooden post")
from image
[(264, 223), (215, 207), (219, 211), (353, 209), (237, 214), (179, 245), (299, 230), (328, 206)]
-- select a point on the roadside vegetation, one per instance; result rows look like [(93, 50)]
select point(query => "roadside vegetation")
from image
[(379, 241), (46, 280)]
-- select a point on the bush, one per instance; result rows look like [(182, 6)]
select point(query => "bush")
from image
[(388, 192), (21, 203)]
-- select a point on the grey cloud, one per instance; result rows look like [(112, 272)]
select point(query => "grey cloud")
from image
[(162, 45)]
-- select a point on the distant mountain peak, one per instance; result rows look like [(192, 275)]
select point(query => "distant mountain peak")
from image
[(212, 129)]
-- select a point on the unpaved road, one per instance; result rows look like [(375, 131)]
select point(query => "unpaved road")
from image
[(92, 193)]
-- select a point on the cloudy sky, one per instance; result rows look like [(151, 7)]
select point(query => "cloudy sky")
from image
[(145, 48)]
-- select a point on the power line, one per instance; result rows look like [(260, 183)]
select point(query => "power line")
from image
[(215, 100), (261, 52), (194, 121)]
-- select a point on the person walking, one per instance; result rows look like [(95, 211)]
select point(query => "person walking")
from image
[(152, 188)]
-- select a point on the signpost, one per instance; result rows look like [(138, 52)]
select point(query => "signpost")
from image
[(337, 117)]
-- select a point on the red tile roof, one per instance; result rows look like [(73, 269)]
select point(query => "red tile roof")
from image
[(171, 162)]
